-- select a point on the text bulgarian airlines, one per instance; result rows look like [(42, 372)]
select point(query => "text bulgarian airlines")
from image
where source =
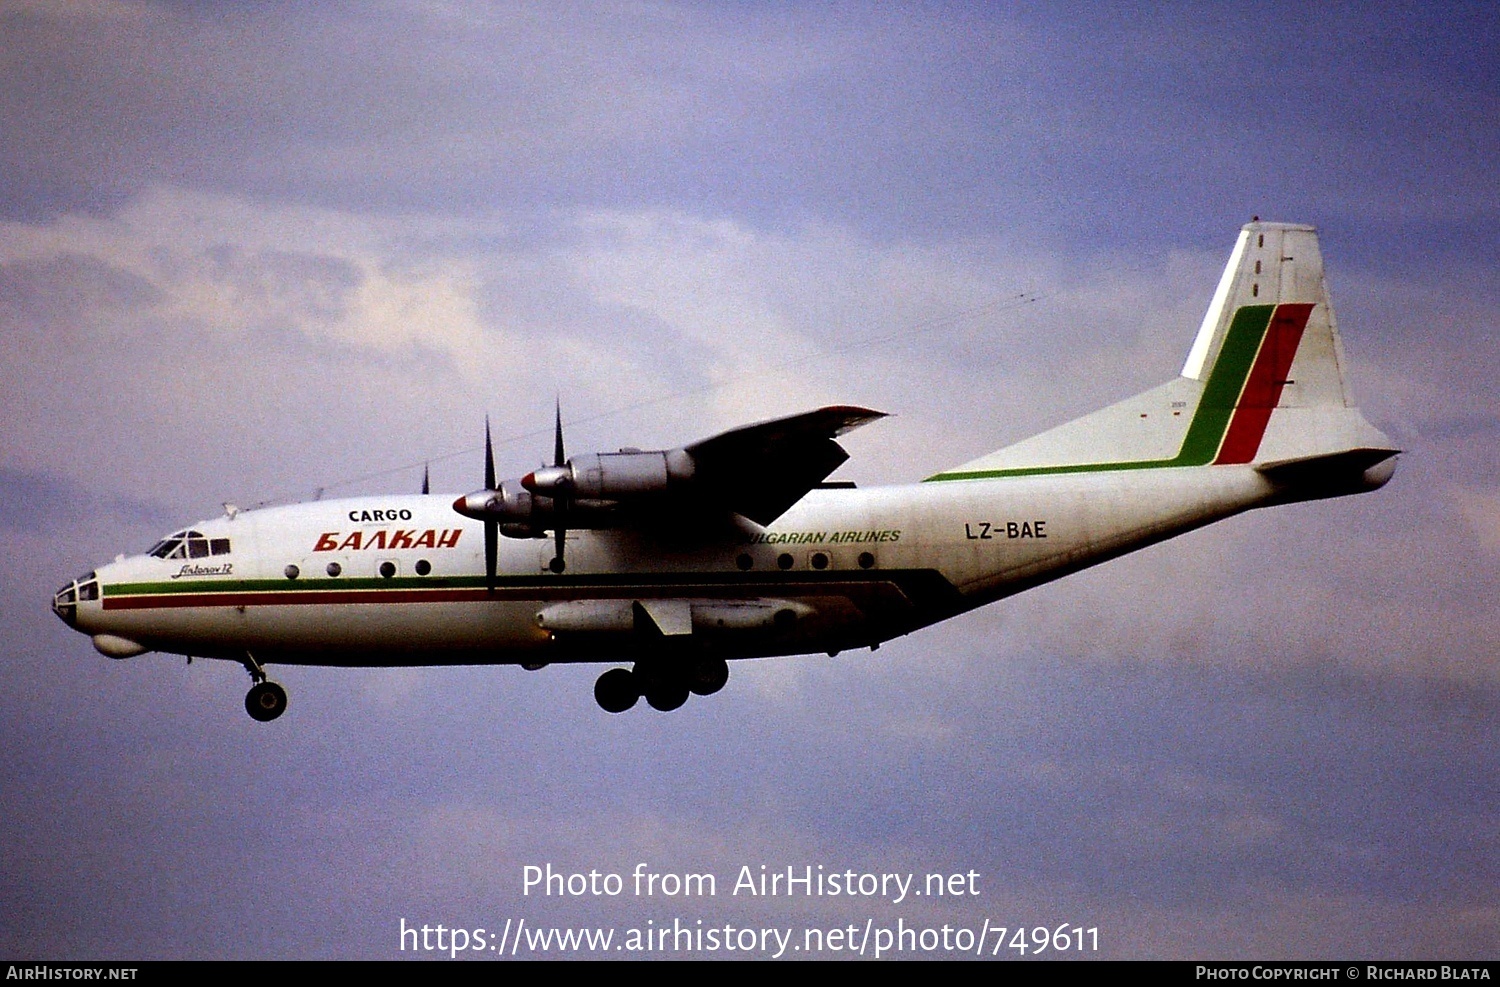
[(824, 537)]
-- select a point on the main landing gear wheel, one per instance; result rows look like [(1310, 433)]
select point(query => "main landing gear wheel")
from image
[(667, 694), (265, 701), (708, 676), (616, 691)]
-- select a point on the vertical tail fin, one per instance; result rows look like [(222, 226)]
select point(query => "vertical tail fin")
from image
[(1278, 265), (1263, 382)]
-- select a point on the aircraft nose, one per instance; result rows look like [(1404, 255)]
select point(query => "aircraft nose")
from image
[(65, 601), (65, 604)]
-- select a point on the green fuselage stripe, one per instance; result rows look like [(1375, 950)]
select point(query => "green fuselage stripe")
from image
[(1210, 420)]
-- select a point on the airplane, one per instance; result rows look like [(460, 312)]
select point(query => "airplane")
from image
[(674, 562)]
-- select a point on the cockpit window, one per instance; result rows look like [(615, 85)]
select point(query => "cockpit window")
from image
[(167, 548), (188, 545)]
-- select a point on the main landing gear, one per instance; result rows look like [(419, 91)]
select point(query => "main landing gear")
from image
[(664, 684), (266, 700)]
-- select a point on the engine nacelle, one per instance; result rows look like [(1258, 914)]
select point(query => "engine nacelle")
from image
[(523, 514), (585, 492), (507, 503), (613, 475)]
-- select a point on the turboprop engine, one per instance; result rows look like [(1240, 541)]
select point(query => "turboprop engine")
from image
[(584, 492), (724, 475), (613, 475)]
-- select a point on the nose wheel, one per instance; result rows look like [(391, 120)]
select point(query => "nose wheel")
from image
[(266, 700)]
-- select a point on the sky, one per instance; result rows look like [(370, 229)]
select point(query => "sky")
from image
[(249, 253)]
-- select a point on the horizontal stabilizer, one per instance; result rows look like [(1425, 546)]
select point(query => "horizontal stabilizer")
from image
[(1333, 474)]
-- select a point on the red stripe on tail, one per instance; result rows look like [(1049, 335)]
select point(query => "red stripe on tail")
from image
[(1263, 387)]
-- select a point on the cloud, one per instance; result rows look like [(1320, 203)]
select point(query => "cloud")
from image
[(190, 310), (1482, 512), (898, 123)]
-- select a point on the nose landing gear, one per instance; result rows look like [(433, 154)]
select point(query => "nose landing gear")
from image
[(266, 700)]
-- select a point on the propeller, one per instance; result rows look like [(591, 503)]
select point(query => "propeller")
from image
[(426, 479), (490, 506), (491, 526)]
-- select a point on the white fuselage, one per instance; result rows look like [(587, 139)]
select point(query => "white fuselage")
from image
[(843, 568)]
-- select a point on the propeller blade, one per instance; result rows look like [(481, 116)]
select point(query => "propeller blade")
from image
[(426, 478), (491, 550), (560, 497), (491, 526), (489, 457)]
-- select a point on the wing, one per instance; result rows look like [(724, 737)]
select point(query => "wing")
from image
[(761, 470)]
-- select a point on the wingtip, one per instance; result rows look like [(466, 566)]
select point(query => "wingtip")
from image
[(854, 416)]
